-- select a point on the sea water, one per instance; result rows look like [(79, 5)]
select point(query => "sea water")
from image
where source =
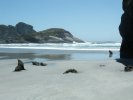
[(60, 51)]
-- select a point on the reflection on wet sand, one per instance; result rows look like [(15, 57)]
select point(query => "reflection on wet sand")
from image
[(33, 56), (56, 56)]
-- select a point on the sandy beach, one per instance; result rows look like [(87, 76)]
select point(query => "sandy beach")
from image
[(95, 80)]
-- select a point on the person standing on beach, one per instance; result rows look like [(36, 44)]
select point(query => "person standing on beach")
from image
[(126, 30), (110, 53)]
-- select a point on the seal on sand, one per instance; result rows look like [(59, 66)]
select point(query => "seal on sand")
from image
[(20, 66)]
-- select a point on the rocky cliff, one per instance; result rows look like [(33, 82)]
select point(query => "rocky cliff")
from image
[(24, 33), (126, 30)]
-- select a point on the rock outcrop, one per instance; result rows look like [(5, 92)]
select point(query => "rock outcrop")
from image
[(126, 30), (21, 33), (56, 35), (23, 28), (24, 33)]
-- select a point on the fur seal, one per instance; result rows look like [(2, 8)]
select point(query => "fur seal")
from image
[(20, 66)]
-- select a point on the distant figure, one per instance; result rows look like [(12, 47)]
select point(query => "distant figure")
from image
[(110, 53)]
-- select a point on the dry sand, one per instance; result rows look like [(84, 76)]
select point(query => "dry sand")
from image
[(96, 80)]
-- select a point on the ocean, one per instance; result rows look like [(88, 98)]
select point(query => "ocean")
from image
[(60, 51)]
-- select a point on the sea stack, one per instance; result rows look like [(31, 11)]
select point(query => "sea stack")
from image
[(126, 30)]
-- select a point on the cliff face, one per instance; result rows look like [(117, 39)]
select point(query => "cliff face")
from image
[(126, 30), (57, 35), (8, 34), (24, 33), (23, 28)]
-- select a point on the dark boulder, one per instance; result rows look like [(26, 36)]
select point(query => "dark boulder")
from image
[(20, 66), (70, 71), (128, 68), (43, 64), (35, 63), (39, 63), (24, 33), (23, 28), (126, 30)]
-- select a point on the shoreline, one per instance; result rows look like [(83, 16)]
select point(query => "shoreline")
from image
[(61, 56)]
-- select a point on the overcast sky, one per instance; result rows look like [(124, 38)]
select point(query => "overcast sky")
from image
[(90, 20)]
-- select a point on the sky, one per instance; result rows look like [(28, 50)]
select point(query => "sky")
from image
[(89, 20)]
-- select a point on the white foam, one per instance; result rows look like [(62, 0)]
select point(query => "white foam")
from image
[(88, 46)]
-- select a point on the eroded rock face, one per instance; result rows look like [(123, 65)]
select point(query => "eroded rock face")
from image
[(23, 28), (24, 33), (126, 30)]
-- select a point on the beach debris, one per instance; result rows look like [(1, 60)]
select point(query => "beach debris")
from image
[(43, 64), (39, 63), (70, 71), (20, 66), (102, 65), (35, 63), (128, 68), (110, 53)]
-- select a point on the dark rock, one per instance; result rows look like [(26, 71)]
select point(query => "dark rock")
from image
[(20, 66), (125, 61), (23, 28), (128, 68), (102, 65), (35, 63), (57, 35), (70, 71), (24, 33), (43, 64), (38, 63), (8, 34), (16, 34), (126, 30)]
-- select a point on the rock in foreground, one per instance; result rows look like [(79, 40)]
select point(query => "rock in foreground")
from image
[(126, 30)]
